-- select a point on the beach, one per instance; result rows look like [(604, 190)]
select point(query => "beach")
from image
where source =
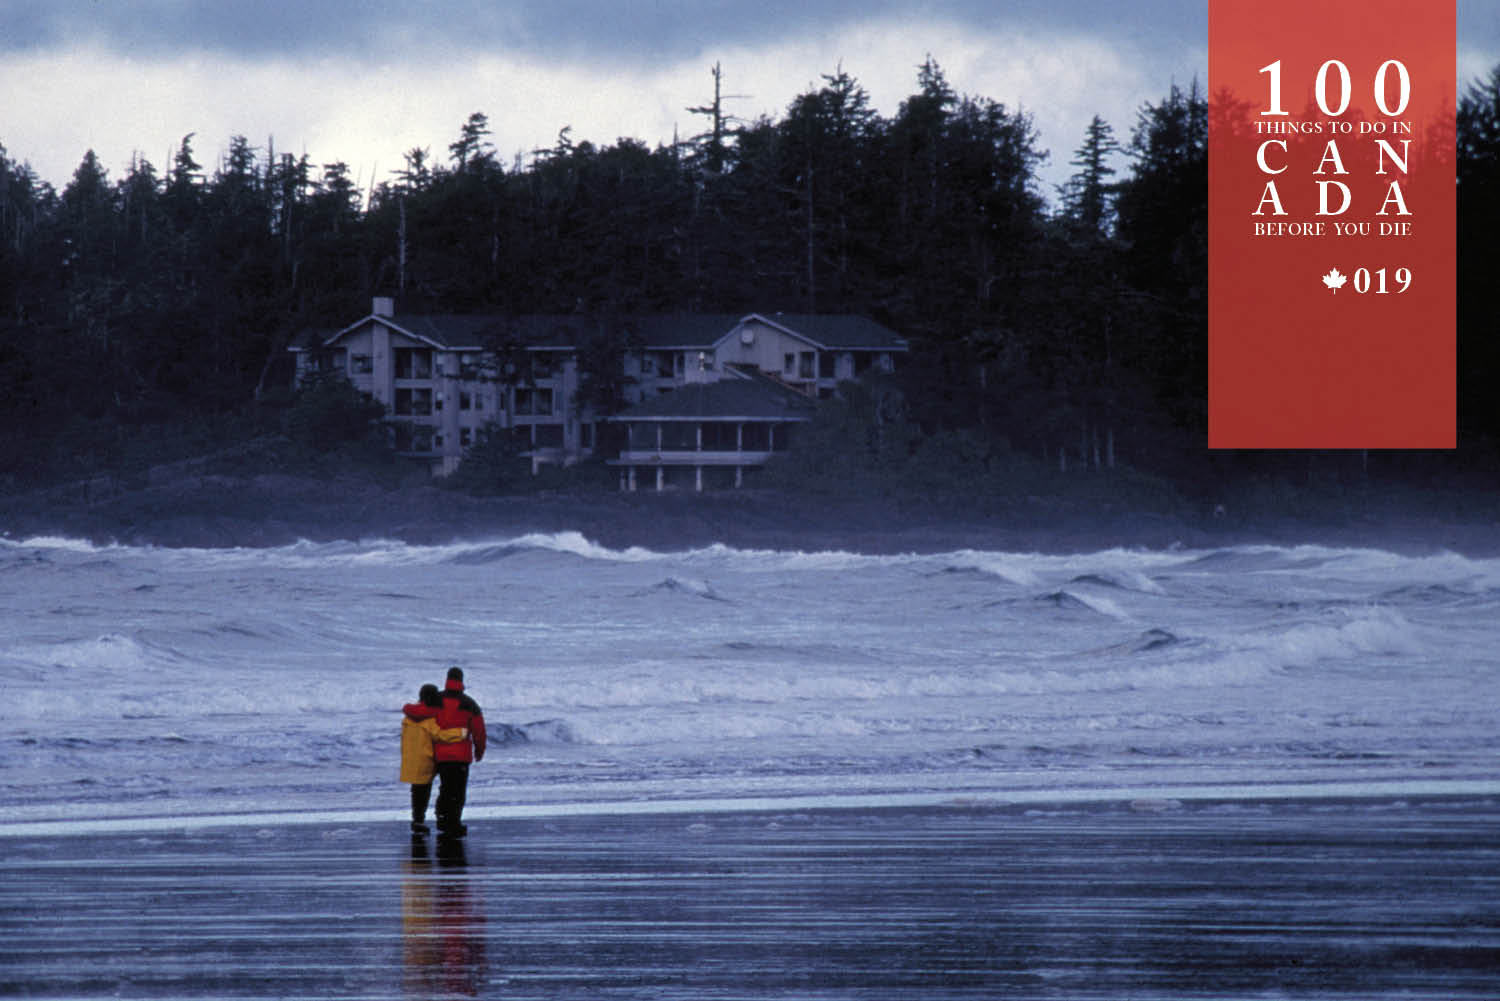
[(1158, 898), (1244, 772)]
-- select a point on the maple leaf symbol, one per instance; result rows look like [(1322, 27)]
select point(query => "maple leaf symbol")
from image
[(1334, 280)]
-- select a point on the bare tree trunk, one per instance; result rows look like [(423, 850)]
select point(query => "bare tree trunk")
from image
[(812, 277), (401, 245)]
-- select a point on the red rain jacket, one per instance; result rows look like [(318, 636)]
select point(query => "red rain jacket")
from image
[(457, 710)]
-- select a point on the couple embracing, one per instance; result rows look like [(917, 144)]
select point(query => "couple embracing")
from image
[(441, 735)]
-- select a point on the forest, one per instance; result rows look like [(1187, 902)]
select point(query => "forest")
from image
[(145, 317)]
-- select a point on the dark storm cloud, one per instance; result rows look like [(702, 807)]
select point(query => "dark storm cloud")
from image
[(601, 29), (605, 30), (151, 27)]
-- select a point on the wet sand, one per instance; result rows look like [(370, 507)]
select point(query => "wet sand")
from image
[(1287, 899)]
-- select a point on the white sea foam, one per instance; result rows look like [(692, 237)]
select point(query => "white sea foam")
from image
[(1347, 635)]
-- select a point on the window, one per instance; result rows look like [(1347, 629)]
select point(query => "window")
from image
[(806, 367), (720, 436), (826, 365), (542, 366), (465, 437), (413, 402), (586, 435), (788, 363), (533, 402), (361, 364), (413, 363), (465, 400), (660, 364)]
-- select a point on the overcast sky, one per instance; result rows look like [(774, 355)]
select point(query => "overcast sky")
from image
[(365, 81)]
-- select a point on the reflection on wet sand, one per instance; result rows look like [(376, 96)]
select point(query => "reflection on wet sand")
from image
[(1371, 899), (442, 922)]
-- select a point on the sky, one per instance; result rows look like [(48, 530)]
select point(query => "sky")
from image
[(364, 82)]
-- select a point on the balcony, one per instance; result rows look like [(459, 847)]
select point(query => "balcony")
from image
[(665, 457)]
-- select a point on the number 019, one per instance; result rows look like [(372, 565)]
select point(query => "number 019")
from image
[(1363, 279)]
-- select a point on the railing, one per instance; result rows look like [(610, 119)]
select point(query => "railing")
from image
[(690, 457)]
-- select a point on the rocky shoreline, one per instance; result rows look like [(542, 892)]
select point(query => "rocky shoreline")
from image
[(217, 511)]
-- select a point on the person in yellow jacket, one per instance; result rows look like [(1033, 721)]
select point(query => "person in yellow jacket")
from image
[(418, 766)]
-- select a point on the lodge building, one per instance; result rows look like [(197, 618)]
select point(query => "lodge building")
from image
[(709, 396)]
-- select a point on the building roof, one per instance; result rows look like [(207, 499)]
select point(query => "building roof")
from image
[(730, 398), (703, 330), (689, 331), (449, 330), (836, 330)]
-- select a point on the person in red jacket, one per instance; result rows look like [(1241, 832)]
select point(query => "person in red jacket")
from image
[(419, 734), (453, 760)]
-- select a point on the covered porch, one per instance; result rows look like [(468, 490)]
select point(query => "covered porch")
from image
[(660, 452), (707, 436)]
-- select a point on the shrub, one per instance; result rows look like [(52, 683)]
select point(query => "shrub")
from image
[(328, 413), (494, 464)]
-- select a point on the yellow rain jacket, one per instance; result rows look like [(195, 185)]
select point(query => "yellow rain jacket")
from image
[(417, 738)]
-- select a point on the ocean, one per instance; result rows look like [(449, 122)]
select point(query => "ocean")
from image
[(146, 683), (1247, 772)]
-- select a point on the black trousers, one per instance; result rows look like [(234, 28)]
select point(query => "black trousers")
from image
[(453, 790), (421, 793)]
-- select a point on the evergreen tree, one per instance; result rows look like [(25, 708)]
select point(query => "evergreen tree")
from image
[(1163, 224), (1088, 196), (711, 151), (828, 147), (472, 150), (183, 184)]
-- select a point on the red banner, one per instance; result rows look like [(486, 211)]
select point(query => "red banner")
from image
[(1331, 224)]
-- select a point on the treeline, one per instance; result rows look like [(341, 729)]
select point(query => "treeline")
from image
[(1070, 332)]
